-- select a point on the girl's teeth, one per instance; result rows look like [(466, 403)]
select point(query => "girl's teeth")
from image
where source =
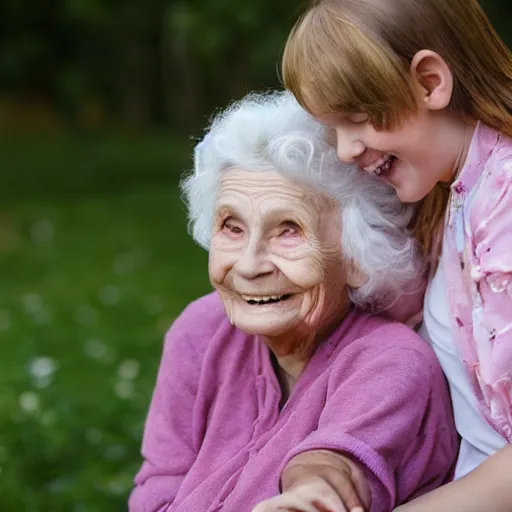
[(384, 167)]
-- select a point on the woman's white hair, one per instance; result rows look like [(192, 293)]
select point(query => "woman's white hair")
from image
[(271, 132)]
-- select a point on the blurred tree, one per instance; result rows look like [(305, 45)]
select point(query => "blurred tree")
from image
[(139, 63)]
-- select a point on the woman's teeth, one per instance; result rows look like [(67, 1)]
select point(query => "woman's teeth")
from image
[(268, 299)]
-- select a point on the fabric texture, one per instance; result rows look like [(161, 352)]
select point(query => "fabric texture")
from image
[(478, 267), (217, 439), (478, 439)]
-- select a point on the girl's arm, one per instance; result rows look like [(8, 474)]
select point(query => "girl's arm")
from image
[(385, 432), (488, 487)]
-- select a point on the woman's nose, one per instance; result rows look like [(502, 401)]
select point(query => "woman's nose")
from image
[(254, 261), (348, 146)]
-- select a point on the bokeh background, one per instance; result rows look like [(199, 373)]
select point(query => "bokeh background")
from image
[(100, 104)]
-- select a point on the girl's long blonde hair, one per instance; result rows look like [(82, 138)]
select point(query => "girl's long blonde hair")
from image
[(355, 56)]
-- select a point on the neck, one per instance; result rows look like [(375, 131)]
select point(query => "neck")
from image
[(464, 143), (469, 130), (293, 351)]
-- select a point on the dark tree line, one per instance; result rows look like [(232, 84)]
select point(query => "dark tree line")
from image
[(142, 63)]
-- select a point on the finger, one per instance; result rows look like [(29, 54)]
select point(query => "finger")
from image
[(348, 493), (323, 497), (294, 501), (285, 502), (329, 502), (329, 505)]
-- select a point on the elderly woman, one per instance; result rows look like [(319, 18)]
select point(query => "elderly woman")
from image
[(278, 391)]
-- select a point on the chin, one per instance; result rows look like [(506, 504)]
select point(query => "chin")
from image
[(410, 195), (264, 323), (257, 329)]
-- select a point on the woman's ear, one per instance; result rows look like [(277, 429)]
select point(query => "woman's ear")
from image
[(433, 78)]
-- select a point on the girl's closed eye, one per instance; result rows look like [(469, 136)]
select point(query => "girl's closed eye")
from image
[(358, 117)]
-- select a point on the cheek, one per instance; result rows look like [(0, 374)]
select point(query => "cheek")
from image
[(214, 269), (306, 272), (220, 262), (326, 273)]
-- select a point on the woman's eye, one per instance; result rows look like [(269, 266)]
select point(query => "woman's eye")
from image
[(232, 228), (289, 229)]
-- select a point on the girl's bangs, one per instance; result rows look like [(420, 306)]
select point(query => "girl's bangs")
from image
[(331, 66)]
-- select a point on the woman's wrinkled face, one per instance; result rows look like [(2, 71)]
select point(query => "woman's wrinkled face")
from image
[(275, 255)]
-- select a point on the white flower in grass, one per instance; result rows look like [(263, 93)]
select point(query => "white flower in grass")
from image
[(96, 349), (128, 369), (120, 484), (42, 369), (43, 317), (109, 295), (124, 264), (49, 419), (94, 435), (42, 232), (60, 485), (29, 402), (124, 389), (85, 315), (117, 488), (153, 305), (115, 452), (33, 303)]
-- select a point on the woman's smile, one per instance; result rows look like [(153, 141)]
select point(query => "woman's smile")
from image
[(277, 266), (265, 299)]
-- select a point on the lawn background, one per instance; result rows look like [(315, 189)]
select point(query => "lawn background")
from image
[(99, 100), (95, 264)]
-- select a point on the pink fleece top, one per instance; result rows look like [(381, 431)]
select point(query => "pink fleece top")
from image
[(216, 438), (477, 257)]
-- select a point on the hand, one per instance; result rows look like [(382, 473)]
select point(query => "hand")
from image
[(312, 495), (320, 481)]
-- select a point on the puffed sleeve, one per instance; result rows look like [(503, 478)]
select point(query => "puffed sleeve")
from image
[(491, 274)]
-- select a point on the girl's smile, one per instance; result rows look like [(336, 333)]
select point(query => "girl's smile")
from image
[(426, 148)]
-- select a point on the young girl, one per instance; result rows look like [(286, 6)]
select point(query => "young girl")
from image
[(419, 93)]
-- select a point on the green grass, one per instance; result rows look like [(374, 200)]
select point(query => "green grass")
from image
[(90, 281), (74, 164)]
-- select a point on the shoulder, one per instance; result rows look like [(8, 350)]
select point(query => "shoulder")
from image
[(393, 348), (498, 170), (496, 177), (204, 313), (196, 325), (489, 210)]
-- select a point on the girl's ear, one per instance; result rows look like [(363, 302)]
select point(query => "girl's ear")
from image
[(433, 78)]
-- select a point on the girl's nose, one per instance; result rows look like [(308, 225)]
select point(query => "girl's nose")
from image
[(348, 146)]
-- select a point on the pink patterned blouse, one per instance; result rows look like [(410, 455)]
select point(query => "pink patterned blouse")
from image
[(478, 268)]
